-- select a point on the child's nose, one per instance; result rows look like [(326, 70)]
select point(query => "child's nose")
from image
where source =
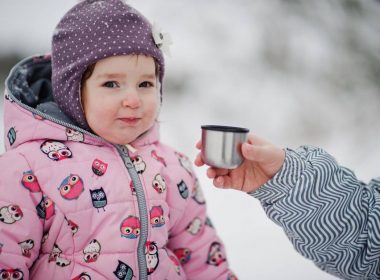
[(131, 99)]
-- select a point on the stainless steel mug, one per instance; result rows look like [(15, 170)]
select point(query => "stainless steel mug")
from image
[(221, 145)]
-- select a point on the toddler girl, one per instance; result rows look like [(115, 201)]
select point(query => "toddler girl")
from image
[(87, 189)]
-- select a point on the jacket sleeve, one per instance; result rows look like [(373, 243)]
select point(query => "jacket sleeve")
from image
[(193, 238), (329, 215), (20, 226)]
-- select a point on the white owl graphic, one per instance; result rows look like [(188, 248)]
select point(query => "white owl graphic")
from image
[(74, 135), (151, 255)]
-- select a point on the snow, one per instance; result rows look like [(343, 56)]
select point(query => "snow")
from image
[(294, 72)]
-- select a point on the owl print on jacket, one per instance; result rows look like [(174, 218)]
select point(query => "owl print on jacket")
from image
[(157, 157), (159, 183), (30, 182), (232, 276), (185, 162), (45, 209), (151, 255), (157, 218), (10, 214), (11, 274), (26, 246), (123, 271), (183, 189), (73, 226), (177, 265), (55, 253), (98, 198), (133, 189), (82, 276), (71, 187), (215, 254), (130, 227), (183, 255), (197, 194), (55, 150), (195, 226), (92, 251), (11, 135), (99, 167), (139, 164), (73, 135)]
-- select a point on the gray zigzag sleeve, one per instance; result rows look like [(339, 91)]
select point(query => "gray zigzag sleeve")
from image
[(329, 215)]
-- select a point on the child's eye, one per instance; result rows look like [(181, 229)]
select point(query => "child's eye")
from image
[(146, 84), (110, 84)]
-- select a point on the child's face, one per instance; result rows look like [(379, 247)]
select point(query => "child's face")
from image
[(121, 97)]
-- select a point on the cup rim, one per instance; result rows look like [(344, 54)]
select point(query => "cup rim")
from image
[(225, 128)]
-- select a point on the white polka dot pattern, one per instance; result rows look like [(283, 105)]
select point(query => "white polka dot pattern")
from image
[(90, 31)]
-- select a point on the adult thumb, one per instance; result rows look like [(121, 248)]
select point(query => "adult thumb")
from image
[(250, 152)]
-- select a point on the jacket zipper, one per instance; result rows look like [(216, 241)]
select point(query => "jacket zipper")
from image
[(143, 211), (123, 152)]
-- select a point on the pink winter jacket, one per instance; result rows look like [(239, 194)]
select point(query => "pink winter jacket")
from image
[(73, 206)]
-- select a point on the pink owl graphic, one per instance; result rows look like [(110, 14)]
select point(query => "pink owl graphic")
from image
[(11, 274), (157, 218), (30, 182), (157, 157), (55, 150), (215, 254), (99, 167), (183, 255), (71, 187), (130, 227), (49, 208)]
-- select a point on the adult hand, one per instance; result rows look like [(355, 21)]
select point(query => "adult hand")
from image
[(262, 160)]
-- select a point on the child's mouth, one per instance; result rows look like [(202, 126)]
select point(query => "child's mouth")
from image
[(130, 121)]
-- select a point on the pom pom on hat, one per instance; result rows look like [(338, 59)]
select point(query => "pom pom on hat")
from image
[(93, 30)]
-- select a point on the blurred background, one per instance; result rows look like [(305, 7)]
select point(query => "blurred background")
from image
[(294, 72)]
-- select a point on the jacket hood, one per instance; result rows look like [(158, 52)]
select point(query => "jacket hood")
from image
[(30, 112)]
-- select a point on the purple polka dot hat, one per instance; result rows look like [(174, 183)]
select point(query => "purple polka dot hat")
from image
[(90, 31)]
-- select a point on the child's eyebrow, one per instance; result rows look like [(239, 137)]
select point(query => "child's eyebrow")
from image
[(121, 75), (110, 76), (148, 76)]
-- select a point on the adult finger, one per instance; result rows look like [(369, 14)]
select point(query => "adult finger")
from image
[(255, 153), (198, 160), (224, 182), (198, 145)]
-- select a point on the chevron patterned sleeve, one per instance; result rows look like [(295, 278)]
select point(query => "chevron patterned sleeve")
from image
[(329, 215)]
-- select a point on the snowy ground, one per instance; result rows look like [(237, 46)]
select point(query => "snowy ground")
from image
[(300, 73)]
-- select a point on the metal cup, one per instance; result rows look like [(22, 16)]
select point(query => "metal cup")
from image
[(221, 145)]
